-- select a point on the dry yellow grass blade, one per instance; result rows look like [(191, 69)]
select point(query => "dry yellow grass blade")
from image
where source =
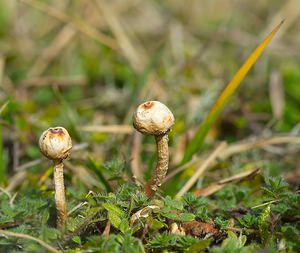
[(230, 88), (111, 129), (203, 167), (211, 189)]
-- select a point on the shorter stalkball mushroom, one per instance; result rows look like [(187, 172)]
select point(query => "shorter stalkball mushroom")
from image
[(55, 143), (154, 118)]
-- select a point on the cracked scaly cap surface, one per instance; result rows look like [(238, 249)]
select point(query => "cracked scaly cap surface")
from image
[(153, 117), (55, 143)]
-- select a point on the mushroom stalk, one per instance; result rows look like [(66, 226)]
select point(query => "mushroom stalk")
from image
[(154, 118), (161, 168), (60, 197)]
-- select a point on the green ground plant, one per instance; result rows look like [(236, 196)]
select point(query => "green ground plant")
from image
[(86, 66)]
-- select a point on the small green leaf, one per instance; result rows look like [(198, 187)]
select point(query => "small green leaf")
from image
[(114, 219), (113, 209), (178, 216), (115, 214), (76, 239), (155, 224), (187, 217), (173, 203), (72, 224), (124, 226), (199, 246)]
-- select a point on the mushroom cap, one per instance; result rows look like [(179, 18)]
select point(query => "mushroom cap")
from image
[(153, 117), (55, 143)]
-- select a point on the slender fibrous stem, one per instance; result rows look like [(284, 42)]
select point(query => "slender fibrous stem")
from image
[(161, 168), (60, 199)]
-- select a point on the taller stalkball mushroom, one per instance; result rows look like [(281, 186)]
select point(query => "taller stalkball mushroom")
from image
[(55, 143), (154, 118)]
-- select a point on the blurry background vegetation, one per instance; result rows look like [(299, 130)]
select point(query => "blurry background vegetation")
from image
[(86, 64), (89, 63)]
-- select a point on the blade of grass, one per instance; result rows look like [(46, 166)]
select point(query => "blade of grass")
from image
[(222, 100), (204, 166), (70, 113), (97, 170)]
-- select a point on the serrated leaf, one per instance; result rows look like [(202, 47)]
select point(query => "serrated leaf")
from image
[(124, 226), (113, 209), (155, 224), (114, 219), (72, 224), (173, 203), (115, 214)]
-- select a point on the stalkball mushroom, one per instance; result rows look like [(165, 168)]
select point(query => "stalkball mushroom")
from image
[(154, 118), (55, 143)]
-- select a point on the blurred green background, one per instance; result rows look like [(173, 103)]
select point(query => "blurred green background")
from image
[(90, 63)]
